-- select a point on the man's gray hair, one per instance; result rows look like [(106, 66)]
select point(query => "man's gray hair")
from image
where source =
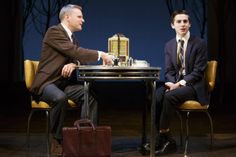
[(66, 9)]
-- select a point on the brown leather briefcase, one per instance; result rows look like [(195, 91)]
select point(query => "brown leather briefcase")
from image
[(86, 140)]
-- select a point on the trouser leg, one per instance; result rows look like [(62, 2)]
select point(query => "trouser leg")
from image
[(172, 99), (57, 99), (159, 103), (93, 110), (76, 93)]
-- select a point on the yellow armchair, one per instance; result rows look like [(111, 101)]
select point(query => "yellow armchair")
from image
[(195, 106), (30, 69)]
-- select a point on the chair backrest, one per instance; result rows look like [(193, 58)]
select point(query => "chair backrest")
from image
[(30, 68), (210, 74)]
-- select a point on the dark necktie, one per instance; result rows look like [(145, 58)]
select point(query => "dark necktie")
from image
[(73, 38), (180, 58)]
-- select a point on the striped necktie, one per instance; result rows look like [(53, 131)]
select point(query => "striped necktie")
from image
[(180, 58)]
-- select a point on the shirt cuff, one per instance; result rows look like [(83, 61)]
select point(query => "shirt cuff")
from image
[(99, 55), (78, 62), (182, 82)]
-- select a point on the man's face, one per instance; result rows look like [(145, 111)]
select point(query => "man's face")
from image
[(181, 24), (75, 20)]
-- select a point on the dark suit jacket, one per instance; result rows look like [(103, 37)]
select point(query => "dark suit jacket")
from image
[(58, 50), (195, 64)]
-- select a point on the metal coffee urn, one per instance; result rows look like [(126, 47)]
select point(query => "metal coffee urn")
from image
[(118, 46)]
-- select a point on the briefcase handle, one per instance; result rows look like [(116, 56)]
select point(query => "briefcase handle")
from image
[(83, 123)]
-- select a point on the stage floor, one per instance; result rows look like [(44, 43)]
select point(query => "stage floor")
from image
[(126, 134)]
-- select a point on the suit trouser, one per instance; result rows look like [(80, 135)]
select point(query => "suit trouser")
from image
[(167, 101), (58, 100)]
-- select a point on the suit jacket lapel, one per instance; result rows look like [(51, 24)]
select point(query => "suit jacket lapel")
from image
[(174, 48), (188, 53), (61, 27)]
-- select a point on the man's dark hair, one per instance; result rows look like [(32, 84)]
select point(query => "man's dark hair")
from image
[(177, 12)]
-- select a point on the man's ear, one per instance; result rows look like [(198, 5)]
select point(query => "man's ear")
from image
[(172, 26)]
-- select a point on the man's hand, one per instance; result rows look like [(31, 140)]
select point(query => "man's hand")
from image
[(68, 69), (108, 59), (170, 86)]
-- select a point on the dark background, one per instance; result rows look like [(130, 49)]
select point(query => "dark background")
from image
[(145, 42)]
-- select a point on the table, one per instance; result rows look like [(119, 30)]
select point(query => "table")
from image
[(90, 73)]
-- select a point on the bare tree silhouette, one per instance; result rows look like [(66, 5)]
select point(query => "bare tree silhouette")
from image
[(199, 10), (39, 14)]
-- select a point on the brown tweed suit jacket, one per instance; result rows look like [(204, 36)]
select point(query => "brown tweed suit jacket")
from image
[(58, 50)]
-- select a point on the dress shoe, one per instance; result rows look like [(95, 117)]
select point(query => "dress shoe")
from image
[(145, 148), (56, 148), (167, 147)]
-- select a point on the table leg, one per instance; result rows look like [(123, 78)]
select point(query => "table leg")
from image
[(148, 86), (153, 123), (144, 125), (86, 100)]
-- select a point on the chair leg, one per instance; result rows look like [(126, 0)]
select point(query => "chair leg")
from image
[(181, 127), (211, 127), (187, 134), (28, 127), (47, 131)]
